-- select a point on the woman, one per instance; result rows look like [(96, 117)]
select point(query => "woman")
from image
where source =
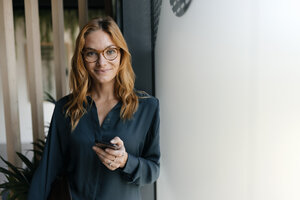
[(103, 106)]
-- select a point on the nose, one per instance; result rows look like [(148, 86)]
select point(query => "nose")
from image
[(101, 60)]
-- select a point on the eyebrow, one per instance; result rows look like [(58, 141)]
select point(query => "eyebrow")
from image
[(89, 48)]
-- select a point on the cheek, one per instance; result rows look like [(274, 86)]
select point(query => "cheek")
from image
[(115, 71), (116, 65), (89, 67)]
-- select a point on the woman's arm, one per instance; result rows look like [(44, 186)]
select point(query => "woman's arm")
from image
[(52, 160), (145, 169)]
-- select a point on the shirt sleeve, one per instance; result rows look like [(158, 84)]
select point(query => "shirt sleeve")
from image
[(51, 163), (145, 169)]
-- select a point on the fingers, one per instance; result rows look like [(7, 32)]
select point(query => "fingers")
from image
[(118, 156), (117, 141), (113, 159), (111, 165), (108, 160), (103, 153), (117, 153), (121, 156)]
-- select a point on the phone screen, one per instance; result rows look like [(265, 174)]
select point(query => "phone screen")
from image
[(104, 145)]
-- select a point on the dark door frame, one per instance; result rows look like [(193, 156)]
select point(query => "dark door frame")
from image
[(138, 20)]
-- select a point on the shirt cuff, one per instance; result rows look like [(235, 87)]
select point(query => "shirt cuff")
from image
[(131, 164)]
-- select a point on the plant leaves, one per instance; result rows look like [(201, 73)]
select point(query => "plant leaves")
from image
[(38, 146), (18, 179), (43, 142), (4, 185), (17, 171), (12, 167), (39, 152), (27, 162), (7, 172), (49, 98)]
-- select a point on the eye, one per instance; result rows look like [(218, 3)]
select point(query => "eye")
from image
[(90, 53), (111, 51)]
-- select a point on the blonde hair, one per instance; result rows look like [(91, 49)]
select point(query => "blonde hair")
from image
[(81, 82)]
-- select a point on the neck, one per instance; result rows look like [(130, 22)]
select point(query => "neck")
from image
[(103, 92)]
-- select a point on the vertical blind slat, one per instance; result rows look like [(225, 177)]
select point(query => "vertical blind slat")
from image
[(34, 67), (9, 81), (59, 48)]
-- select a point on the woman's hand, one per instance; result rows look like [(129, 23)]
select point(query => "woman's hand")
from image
[(113, 159)]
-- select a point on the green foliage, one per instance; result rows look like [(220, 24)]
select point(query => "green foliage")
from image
[(48, 97), (71, 24), (18, 178), (45, 25)]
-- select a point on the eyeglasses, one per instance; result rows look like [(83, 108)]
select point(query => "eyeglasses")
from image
[(92, 55)]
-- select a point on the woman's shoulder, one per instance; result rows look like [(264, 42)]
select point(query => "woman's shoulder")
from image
[(63, 101), (60, 104), (147, 99)]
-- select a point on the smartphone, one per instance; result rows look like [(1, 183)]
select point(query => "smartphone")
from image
[(104, 145)]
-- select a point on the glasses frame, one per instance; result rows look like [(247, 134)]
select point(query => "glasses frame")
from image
[(100, 52)]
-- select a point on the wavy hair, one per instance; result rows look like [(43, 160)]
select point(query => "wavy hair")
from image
[(81, 81)]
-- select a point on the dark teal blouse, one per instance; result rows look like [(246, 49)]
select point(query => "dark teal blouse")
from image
[(72, 154)]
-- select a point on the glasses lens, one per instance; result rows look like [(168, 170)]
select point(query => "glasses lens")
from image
[(90, 56), (110, 53)]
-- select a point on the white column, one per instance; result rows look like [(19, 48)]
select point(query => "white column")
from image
[(59, 47), (34, 67), (9, 79)]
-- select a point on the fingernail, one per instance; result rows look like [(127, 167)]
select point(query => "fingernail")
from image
[(112, 141)]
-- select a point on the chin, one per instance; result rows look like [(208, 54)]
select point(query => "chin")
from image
[(104, 80)]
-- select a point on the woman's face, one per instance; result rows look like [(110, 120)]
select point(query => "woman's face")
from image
[(102, 70)]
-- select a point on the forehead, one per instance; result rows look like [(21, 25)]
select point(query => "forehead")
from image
[(98, 40)]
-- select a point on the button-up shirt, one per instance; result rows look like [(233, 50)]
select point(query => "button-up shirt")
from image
[(71, 153)]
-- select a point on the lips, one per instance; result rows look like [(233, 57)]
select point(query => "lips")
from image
[(102, 70)]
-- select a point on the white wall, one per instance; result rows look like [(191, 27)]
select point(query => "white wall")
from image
[(23, 96), (2, 122), (228, 80)]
